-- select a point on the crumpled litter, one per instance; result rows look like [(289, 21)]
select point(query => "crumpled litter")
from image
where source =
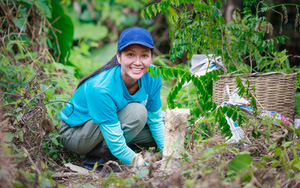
[(270, 114), (236, 100), (202, 63), (237, 132)]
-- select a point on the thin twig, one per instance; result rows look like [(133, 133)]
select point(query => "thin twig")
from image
[(231, 59), (16, 95), (25, 150), (250, 58), (37, 95)]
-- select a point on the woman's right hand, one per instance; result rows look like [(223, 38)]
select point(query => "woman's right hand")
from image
[(139, 162)]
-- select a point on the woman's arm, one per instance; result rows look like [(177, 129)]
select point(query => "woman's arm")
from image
[(115, 140), (156, 125)]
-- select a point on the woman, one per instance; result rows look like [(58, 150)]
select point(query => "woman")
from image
[(117, 106)]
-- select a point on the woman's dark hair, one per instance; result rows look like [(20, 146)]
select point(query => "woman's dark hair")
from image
[(110, 64)]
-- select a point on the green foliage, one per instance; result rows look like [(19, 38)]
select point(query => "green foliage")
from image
[(80, 60), (245, 44), (64, 30), (240, 163), (241, 43), (44, 7), (90, 31), (33, 90), (199, 98)]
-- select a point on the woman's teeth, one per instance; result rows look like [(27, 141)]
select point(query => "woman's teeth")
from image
[(136, 69)]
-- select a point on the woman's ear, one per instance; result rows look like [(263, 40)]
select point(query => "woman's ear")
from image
[(118, 57)]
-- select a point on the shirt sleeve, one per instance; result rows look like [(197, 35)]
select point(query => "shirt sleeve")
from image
[(154, 101), (156, 125), (115, 140)]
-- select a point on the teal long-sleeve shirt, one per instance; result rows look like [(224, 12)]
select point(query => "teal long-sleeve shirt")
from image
[(102, 96)]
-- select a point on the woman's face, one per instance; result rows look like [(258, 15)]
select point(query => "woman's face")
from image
[(135, 60)]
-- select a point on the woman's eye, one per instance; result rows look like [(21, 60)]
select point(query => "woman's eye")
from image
[(144, 55)]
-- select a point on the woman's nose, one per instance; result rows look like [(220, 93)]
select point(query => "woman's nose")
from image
[(138, 60)]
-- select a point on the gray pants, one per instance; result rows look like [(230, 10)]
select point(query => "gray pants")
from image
[(83, 139)]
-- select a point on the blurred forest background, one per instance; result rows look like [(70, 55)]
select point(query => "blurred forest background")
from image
[(97, 25)]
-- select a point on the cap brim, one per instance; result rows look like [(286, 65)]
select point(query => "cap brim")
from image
[(136, 42)]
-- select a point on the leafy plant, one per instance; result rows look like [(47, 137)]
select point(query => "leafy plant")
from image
[(243, 44), (64, 30), (33, 90)]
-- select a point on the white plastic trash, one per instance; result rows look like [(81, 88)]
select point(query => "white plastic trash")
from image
[(202, 63)]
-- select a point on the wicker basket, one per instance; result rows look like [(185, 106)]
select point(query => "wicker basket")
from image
[(274, 91)]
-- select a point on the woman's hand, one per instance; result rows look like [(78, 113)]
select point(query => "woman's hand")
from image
[(139, 162)]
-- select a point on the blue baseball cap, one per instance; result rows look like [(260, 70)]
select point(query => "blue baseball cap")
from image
[(135, 35)]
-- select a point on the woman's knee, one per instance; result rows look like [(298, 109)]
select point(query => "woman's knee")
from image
[(80, 140), (133, 113)]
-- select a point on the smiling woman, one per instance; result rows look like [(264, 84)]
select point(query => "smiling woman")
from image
[(134, 61), (116, 107)]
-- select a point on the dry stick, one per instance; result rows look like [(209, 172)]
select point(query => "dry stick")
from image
[(192, 136), (203, 132), (258, 102), (29, 83), (4, 18), (16, 95), (37, 95), (56, 39), (207, 125), (287, 156), (106, 166), (13, 4), (18, 8), (193, 129), (255, 179), (24, 22), (45, 42), (250, 58), (40, 29), (39, 172), (232, 59), (223, 60), (28, 52), (65, 174)]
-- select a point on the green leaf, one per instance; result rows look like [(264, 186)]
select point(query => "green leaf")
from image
[(65, 25), (286, 144), (44, 7), (20, 23), (256, 134), (21, 135), (241, 163), (90, 31), (54, 140), (8, 137)]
